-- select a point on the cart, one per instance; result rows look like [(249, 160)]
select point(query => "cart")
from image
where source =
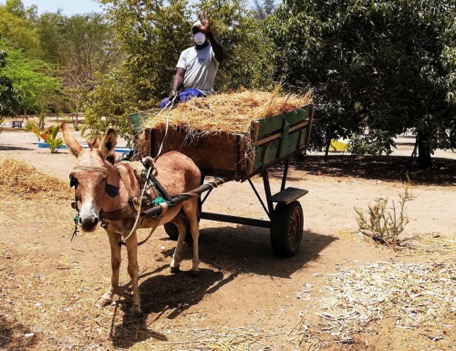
[(236, 157)]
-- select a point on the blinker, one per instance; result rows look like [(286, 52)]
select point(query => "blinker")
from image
[(112, 190)]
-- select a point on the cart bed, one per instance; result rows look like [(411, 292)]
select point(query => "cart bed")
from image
[(239, 156)]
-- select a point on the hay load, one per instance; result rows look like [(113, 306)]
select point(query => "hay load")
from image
[(233, 135), (231, 113)]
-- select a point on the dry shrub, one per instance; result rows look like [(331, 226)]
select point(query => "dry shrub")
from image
[(231, 112), (24, 181), (384, 224)]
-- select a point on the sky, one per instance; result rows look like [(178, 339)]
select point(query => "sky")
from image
[(68, 7)]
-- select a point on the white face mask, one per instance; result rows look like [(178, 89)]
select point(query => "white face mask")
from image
[(199, 38)]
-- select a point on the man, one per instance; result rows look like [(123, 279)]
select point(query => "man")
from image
[(197, 65)]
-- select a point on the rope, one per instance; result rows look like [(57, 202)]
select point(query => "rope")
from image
[(169, 106), (133, 229)]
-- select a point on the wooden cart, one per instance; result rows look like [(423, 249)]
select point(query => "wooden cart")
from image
[(238, 157)]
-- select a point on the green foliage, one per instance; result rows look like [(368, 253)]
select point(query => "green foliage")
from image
[(371, 144), (34, 81), (108, 105), (49, 136), (383, 224), (17, 27), (8, 95), (80, 46), (247, 49), (387, 64), (264, 9)]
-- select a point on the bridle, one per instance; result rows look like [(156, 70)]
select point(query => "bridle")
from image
[(109, 189), (115, 215)]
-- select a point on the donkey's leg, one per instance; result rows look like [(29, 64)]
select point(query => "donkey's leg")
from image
[(114, 242), (177, 256), (191, 212), (133, 271)]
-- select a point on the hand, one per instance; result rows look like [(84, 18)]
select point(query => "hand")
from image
[(173, 94), (205, 23)]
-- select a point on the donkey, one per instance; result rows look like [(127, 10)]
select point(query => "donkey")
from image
[(106, 192)]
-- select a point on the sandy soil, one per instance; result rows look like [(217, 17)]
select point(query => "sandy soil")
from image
[(245, 298)]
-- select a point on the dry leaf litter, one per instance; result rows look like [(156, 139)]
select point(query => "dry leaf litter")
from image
[(414, 295)]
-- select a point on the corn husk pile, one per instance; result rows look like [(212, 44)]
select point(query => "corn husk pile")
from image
[(231, 113), (412, 295), (23, 181)]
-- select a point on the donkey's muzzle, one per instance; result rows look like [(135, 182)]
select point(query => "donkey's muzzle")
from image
[(88, 224)]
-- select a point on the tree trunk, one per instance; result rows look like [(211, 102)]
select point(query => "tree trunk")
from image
[(424, 151)]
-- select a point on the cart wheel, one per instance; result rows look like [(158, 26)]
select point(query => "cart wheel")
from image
[(171, 230), (287, 224)]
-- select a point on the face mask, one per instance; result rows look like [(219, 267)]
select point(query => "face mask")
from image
[(199, 38)]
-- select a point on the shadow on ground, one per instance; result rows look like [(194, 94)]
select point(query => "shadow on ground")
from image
[(385, 168), (15, 336), (13, 148), (228, 251)]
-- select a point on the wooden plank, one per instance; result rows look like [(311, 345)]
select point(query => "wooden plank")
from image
[(288, 195), (274, 124), (220, 154), (278, 135)]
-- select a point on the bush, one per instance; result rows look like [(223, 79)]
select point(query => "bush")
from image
[(383, 224)]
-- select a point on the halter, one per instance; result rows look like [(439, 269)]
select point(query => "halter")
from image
[(123, 212), (111, 190)]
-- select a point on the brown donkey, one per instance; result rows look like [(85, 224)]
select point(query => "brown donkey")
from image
[(106, 193)]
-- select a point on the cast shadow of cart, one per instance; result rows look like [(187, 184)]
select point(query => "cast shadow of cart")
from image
[(247, 249), (227, 252)]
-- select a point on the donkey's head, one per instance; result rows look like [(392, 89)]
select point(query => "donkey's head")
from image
[(89, 177)]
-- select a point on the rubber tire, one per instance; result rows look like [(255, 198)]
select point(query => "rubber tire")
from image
[(287, 225), (171, 230)]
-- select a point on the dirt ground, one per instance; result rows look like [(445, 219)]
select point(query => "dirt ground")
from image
[(245, 297)]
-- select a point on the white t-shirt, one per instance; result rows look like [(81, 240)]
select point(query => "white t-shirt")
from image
[(200, 68)]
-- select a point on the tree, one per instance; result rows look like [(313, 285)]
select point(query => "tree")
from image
[(17, 27), (8, 96), (385, 64), (79, 46), (265, 9), (34, 81)]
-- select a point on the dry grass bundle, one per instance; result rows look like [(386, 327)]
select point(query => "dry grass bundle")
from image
[(231, 113), (24, 181)]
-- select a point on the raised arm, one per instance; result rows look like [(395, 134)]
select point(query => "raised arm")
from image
[(206, 29)]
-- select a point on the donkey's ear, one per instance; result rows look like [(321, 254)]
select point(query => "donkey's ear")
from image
[(70, 141), (108, 143)]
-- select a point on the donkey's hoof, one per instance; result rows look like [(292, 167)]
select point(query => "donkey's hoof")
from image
[(175, 269)]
